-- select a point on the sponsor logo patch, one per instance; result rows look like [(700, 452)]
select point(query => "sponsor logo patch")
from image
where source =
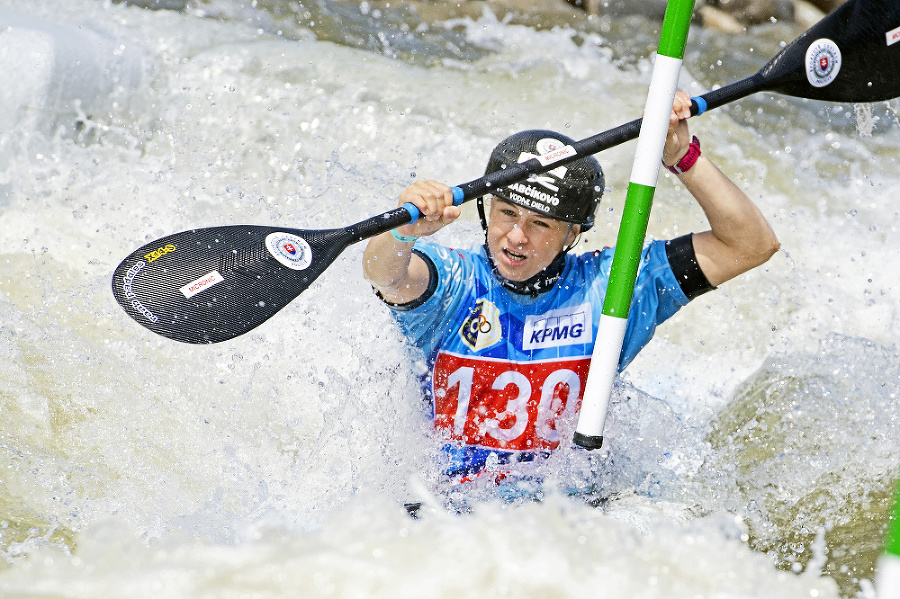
[(823, 62), (159, 252), (289, 250), (552, 150), (201, 284), (482, 328), (556, 328)]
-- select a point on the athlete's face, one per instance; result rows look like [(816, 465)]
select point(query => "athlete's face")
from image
[(523, 242)]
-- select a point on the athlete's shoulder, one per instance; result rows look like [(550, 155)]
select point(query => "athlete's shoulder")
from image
[(589, 264), (606, 254), (457, 272), (441, 253)]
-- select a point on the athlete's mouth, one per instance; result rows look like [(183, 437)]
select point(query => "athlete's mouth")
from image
[(514, 257)]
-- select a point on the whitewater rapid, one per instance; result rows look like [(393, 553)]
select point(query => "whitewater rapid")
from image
[(751, 448)]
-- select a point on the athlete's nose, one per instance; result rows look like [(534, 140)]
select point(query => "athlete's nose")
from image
[(517, 235)]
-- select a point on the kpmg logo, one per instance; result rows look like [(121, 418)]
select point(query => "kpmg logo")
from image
[(566, 326)]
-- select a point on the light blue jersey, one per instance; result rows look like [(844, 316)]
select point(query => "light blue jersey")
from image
[(506, 367)]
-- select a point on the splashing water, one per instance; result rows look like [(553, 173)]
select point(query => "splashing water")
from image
[(750, 448)]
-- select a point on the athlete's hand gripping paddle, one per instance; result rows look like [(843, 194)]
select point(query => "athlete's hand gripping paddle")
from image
[(212, 284)]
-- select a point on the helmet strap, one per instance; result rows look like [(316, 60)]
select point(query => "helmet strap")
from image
[(540, 283), (575, 242), (480, 203)]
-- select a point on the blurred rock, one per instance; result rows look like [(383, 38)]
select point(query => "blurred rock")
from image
[(731, 16), (807, 14), (155, 4), (753, 12), (653, 9), (713, 18), (724, 15), (531, 5), (826, 6), (432, 11)]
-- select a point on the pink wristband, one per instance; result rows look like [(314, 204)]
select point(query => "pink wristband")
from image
[(689, 159)]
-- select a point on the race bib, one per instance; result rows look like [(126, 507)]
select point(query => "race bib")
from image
[(505, 405)]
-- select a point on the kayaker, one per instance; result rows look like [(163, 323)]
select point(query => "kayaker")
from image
[(508, 327)]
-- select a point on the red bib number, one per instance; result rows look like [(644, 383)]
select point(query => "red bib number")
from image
[(505, 405)]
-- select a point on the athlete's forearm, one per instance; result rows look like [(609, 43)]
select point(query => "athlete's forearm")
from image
[(388, 262), (388, 266), (740, 237)]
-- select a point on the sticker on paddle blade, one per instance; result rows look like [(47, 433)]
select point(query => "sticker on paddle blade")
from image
[(201, 284), (893, 36), (289, 250), (823, 62)]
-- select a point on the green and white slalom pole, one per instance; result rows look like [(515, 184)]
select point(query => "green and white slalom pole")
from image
[(630, 241), (887, 579)]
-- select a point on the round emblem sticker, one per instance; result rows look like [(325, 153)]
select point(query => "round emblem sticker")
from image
[(547, 145), (289, 250), (823, 62)]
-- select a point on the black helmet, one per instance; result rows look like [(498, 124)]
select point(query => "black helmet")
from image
[(570, 192)]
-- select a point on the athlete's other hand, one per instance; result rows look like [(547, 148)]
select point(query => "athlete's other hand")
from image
[(678, 139)]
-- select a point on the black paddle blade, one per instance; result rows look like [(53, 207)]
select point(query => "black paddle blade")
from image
[(211, 285), (851, 55)]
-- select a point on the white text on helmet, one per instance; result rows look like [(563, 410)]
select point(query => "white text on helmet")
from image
[(531, 192)]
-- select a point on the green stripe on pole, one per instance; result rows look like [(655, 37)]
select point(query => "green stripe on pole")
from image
[(673, 38), (629, 244), (635, 216), (892, 545)]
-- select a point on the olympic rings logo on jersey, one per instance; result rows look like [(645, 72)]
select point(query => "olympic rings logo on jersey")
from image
[(477, 325), (482, 328)]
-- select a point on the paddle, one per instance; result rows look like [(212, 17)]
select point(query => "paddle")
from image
[(212, 284)]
